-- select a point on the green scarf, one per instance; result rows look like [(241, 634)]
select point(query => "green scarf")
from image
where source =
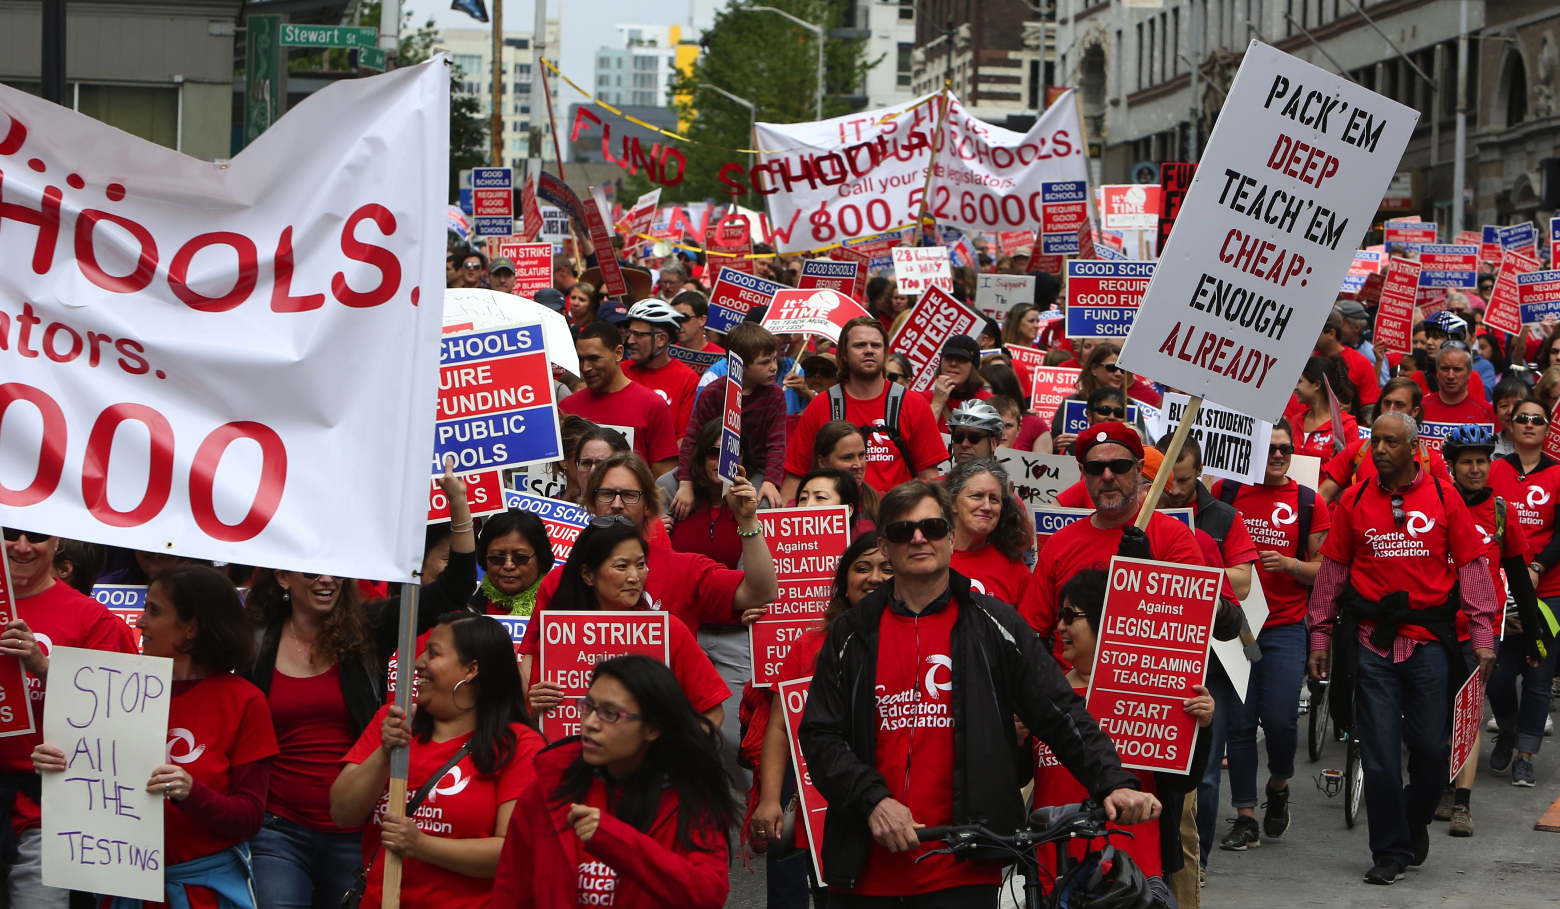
[(522, 603)]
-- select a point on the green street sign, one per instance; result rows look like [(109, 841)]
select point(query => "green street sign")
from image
[(371, 58), (329, 36), (265, 75)]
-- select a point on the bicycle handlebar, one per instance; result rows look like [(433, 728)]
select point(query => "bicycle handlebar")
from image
[(1045, 825), (932, 834)]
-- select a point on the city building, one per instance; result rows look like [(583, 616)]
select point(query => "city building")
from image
[(471, 50), (889, 29), (1518, 140), (998, 57), (642, 69)]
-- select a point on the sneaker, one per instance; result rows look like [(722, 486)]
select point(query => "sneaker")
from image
[(1462, 821), (1276, 820), (1522, 772), (1385, 872), (1492, 726), (1549, 725), (1242, 836), (1443, 811), (1419, 841), (1500, 755)]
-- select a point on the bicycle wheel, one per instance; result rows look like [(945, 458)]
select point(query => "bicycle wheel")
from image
[(1353, 783), (1319, 721)]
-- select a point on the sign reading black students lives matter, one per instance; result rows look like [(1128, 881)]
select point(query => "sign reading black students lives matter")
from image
[(1233, 445), (1288, 185)]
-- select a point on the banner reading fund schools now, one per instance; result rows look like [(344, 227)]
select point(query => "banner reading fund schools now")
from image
[(227, 362), (1288, 186)]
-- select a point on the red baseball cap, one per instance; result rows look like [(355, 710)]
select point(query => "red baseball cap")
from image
[(1119, 433)]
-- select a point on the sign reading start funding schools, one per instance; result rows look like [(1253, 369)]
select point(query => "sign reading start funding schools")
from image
[(495, 401), (1289, 184)]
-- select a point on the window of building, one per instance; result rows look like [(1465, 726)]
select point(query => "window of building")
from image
[(907, 9), (603, 63), (150, 112), (522, 71), (644, 62), (522, 88), (468, 64), (1175, 41), (1140, 56), (644, 99), (904, 70), (1152, 50)]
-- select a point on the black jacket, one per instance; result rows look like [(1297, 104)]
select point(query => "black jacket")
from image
[(1000, 669)]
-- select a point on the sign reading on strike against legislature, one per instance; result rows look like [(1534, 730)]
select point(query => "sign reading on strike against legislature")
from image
[(495, 401), (996, 295), (1522, 238), (1103, 297), (1234, 446), (813, 312), (807, 544), (250, 333), (793, 702), (935, 318), (1280, 202), (919, 268), (1395, 314), (1152, 649), (572, 643), (865, 173), (563, 520), (532, 261), (1467, 717), (102, 831), (1051, 386), (15, 705), (734, 294)]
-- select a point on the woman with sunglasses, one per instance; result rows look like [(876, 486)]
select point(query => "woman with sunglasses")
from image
[(992, 534), (1099, 371), (472, 739), (515, 551), (897, 369), (1530, 480), (1310, 411), (633, 814), (710, 528)]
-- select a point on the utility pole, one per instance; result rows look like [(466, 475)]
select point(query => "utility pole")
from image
[(1193, 138), (1460, 149), (948, 62), (534, 138), (54, 51), (496, 124)]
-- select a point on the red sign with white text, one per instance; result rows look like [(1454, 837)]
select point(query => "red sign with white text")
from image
[(935, 318), (1467, 717), (15, 706), (572, 643), (532, 261), (1153, 648), (733, 235), (1132, 206), (1052, 385), (601, 238), (1505, 307), (1395, 314), (815, 312), (793, 701), (484, 493), (807, 544), (530, 211)]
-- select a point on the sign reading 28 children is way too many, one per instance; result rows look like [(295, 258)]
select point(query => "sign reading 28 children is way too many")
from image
[(1288, 185)]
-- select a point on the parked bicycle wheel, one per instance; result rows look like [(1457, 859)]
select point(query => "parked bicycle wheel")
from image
[(1320, 720), (1353, 783)]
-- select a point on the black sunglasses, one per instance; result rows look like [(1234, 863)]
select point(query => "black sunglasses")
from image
[(712, 452), (1531, 419), (1110, 367), (959, 437), (521, 559), (12, 535), (1117, 412), (1283, 448), (904, 531), (1118, 466), (895, 376), (1068, 615), (1398, 515)]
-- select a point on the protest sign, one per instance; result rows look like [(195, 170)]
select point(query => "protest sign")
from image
[(1551, 446), (1408, 232), (1234, 446), (1049, 519), (1038, 478), (1489, 243), (807, 544), (1234, 308), (1051, 386), (1175, 178), (572, 643), (866, 172), (1432, 432), (1025, 361), (250, 332), (814, 312), (1010, 242), (1103, 297), (532, 224), (1468, 238), (935, 318), (1448, 266), (1152, 649), (532, 261), (551, 189), (697, 360), (637, 220), (15, 705), (1554, 236), (514, 626), (1395, 314), (996, 295), (495, 406), (849, 278), (731, 238), (493, 201), (596, 214), (563, 520), (1044, 263), (1504, 311), (1539, 293), (125, 602), (814, 808), (1522, 238), (1065, 211), (1075, 415), (1132, 206), (1364, 265), (484, 494), (731, 426), (735, 293), (1467, 717), (1232, 653), (102, 831), (917, 268), (1430, 300)]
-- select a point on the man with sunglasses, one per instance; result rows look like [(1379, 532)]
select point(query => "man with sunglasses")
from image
[(909, 722), (48, 613), (975, 430), (1397, 567)]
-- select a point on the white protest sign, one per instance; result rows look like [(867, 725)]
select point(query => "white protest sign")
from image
[(996, 295), (1283, 195), (1232, 653), (1038, 478), (234, 358), (918, 268), (102, 831), (1306, 470), (1234, 446)]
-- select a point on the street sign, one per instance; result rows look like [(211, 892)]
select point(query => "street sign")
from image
[(371, 58), (265, 75), (295, 35)]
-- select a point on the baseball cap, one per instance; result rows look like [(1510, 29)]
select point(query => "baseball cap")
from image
[(614, 311), (1111, 431), (962, 346), (1350, 309), (500, 264), (820, 364), (550, 297)]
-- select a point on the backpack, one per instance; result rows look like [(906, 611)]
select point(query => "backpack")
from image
[(1229, 489), (890, 427)]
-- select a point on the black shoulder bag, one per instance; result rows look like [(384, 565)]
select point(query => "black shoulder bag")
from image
[(354, 896)]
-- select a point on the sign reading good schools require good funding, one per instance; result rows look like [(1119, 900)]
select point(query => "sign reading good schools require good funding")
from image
[(697, 360), (1103, 297), (1448, 266), (736, 293), (1065, 208), (125, 602), (1287, 186), (846, 277), (1409, 233), (1234, 446), (1075, 415), (495, 401), (806, 544), (793, 701), (572, 643), (935, 318), (563, 520), (1539, 292), (15, 703), (1153, 648), (493, 201), (730, 426), (1432, 432), (101, 829), (920, 268)]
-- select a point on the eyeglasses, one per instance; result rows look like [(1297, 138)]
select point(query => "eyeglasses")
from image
[(712, 452), (12, 535), (1110, 368), (1531, 419), (1118, 466), (587, 465), (604, 495), (1283, 448), (1398, 515), (607, 520), (895, 376), (904, 531), (1117, 412), (636, 335), (472, 266), (1069, 615), (960, 438), (607, 714), (521, 559)]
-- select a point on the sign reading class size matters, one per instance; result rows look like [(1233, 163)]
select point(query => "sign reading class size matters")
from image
[(495, 401), (1153, 648), (572, 643), (807, 544), (935, 318), (1103, 297)]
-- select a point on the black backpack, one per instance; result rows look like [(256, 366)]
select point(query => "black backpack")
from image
[(890, 427), (1229, 489)]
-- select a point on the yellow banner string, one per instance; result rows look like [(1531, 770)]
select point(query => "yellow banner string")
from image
[(690, 247)]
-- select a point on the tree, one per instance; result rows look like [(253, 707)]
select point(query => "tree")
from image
[(772, 62)]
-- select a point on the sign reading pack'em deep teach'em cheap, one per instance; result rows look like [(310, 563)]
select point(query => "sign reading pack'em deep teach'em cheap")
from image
[(1288, 186)]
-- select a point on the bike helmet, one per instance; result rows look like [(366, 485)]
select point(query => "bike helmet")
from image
[(657, 312), (976, 415), (1107, 879), (1468, 435), (1449, 322)]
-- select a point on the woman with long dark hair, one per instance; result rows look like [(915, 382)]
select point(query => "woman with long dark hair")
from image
[(633, 813), (992, 535), (1310, 413), (515, 551), (826, 486), (471, 736)]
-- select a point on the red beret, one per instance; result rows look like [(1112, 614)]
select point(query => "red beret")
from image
[(1119, 433)]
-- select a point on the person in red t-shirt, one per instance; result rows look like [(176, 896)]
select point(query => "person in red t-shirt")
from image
[(1454, 404), (1310, 410), (1396, 548), (1353, 464), (862, 350), (652, 326), (1361, 372), (633, 814), (991, 533), (611, 399), (1529, 481), (895, 723), (220, 742), (472, 730), (695, 310)]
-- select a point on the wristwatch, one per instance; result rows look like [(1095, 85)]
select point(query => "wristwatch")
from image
[(1536, 567)]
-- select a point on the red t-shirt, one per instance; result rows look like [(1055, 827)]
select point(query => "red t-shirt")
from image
[(1385, 557), (1515, 544), (219, 723), (1354, 465), (1030, 428), (1473, 409), (695, 673), (1317, 443), (993, 573), (634, 406), (1475, 381), (803, 658), (675, 383), (463, 806), (709, 533), (1531, 500), (915, 717), (953, 402), (1362, 374), (1074, 496), (1237, 548), (1272, 520), (59, 617), (886, 467), (313, 731)]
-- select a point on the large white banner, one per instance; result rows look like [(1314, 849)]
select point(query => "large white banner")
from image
[(1283, 195), (862, 174), (227, 361)]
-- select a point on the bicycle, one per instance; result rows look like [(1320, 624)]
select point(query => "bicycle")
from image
[(1056, 826), (1351, 780), (1318, 716)]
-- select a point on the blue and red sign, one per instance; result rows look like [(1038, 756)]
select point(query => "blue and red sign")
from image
[(495, 401)]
